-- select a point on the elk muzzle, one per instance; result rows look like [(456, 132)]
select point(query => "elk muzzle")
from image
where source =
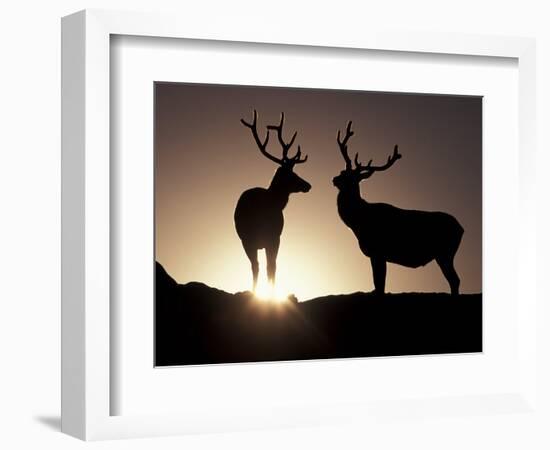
[(306, 187)]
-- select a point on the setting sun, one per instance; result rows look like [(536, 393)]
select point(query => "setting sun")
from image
[(267, 292)]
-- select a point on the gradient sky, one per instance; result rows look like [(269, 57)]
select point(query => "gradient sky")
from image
[(205, 158)]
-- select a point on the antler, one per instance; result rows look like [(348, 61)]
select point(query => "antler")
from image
[(261, 145), (369, 169), (343, 144), (296, 159)]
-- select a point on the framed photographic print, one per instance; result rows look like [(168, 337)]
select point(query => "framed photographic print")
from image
[(248, 246)]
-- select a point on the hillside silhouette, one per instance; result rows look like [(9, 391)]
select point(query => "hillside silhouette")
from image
[(197, 324)]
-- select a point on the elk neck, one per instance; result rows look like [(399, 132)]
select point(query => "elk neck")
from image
[(349, 203), (279, 193)]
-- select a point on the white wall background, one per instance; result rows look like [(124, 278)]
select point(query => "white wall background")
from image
[(30, 237)]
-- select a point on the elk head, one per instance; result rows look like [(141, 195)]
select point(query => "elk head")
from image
[(350, 177), (284, 179)]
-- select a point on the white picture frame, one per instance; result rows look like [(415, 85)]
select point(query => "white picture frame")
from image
[(86, 246)]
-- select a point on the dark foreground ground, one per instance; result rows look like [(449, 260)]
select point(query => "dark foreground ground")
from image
[(197, 324)]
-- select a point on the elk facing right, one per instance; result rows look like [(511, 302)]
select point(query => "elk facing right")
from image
[(259, 218), (388, 234)]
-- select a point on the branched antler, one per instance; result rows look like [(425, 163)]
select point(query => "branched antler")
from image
[(261, 145), (369, 169), (296, 159), (343, 144), (364, 171), (285, 160), (279, 129)]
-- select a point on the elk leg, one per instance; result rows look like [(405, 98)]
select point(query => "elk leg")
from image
[(252, 254), (379, 274), (271, 252), (447, 267)]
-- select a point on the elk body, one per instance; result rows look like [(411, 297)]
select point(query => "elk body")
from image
[(387, 234), (258, 215)]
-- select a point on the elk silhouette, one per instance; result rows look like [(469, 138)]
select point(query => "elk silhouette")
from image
[(258, 215), (388, 234)]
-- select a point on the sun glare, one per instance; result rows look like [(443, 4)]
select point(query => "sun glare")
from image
[(266, 292)]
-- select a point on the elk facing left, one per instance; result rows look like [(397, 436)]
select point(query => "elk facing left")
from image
[(387, 234)]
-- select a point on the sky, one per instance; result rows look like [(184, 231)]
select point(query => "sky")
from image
[(205, 158)]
